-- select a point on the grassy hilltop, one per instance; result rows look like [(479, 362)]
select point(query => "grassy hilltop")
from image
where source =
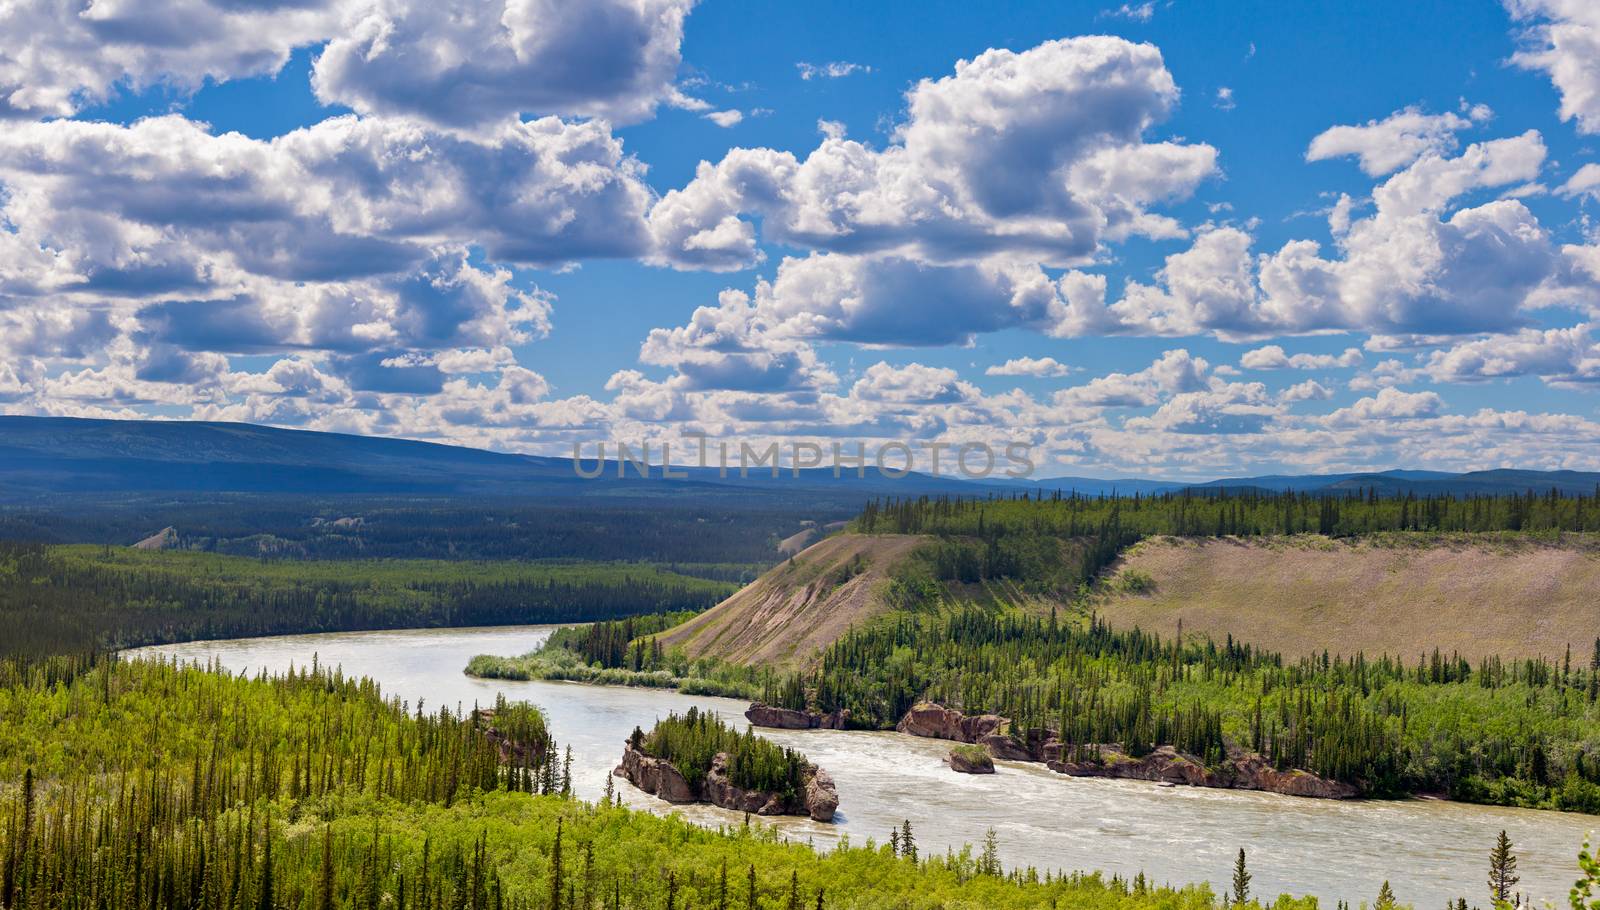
[(1478, 596)]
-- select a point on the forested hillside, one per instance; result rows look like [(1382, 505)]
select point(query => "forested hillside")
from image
[(961, 621), (78, 598), (1511, 732)]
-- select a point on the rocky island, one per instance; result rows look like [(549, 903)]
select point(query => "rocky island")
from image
[(970, 760), (696, 758)]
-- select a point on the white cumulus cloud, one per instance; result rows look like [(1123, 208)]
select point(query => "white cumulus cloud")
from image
[(1040, 367), (467, 63), (1384, 146), (1561, 38), (1273, 357), (1038, 153)]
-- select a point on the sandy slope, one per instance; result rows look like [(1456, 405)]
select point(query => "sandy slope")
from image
[(788, 615), (1300, 596)]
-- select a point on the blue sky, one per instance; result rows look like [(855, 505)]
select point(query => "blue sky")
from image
[(1170, 238)]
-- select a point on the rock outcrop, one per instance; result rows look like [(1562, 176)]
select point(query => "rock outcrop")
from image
[(1004, 747), (938, 722), (1165, 764), (822, 798), (656, 776), (818, 799), (765, 715), (1240, 771), (970, 761), (511, 751), (1252, 769)]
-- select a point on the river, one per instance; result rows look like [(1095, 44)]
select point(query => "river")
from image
[(1428, 850)]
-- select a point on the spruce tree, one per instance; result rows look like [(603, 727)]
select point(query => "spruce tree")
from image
[(588, 874), (1386, 899), (325, 895), (989, 860), (555, 870), (1502, 871), (1241, 880), (267, 899)]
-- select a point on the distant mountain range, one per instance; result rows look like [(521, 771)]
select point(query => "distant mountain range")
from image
[(60, 455), (44, 456), (1385, 483)]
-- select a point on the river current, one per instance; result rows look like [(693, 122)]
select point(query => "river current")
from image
[(1428, 850)]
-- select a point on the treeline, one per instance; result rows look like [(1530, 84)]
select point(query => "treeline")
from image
[(620, 643), (605, 654), (1041, 562), (690, 741), (148, 786), (1519, 733), (79, 598), (1193, 513)]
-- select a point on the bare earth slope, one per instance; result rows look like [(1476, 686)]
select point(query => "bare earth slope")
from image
[(1516, 599), (788, 615)]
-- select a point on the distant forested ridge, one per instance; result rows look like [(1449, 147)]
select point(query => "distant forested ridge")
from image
[(78, 598), (684, 531), (1223, 512), (1057, 541)]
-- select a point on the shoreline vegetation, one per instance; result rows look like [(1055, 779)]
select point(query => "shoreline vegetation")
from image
[(993, 614), (1508, 694), (622, 653), (310, 789)]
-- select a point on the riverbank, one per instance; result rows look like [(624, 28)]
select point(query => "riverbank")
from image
[(561, 664), (1165, 764), (1240, 770), (1332, 849)]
